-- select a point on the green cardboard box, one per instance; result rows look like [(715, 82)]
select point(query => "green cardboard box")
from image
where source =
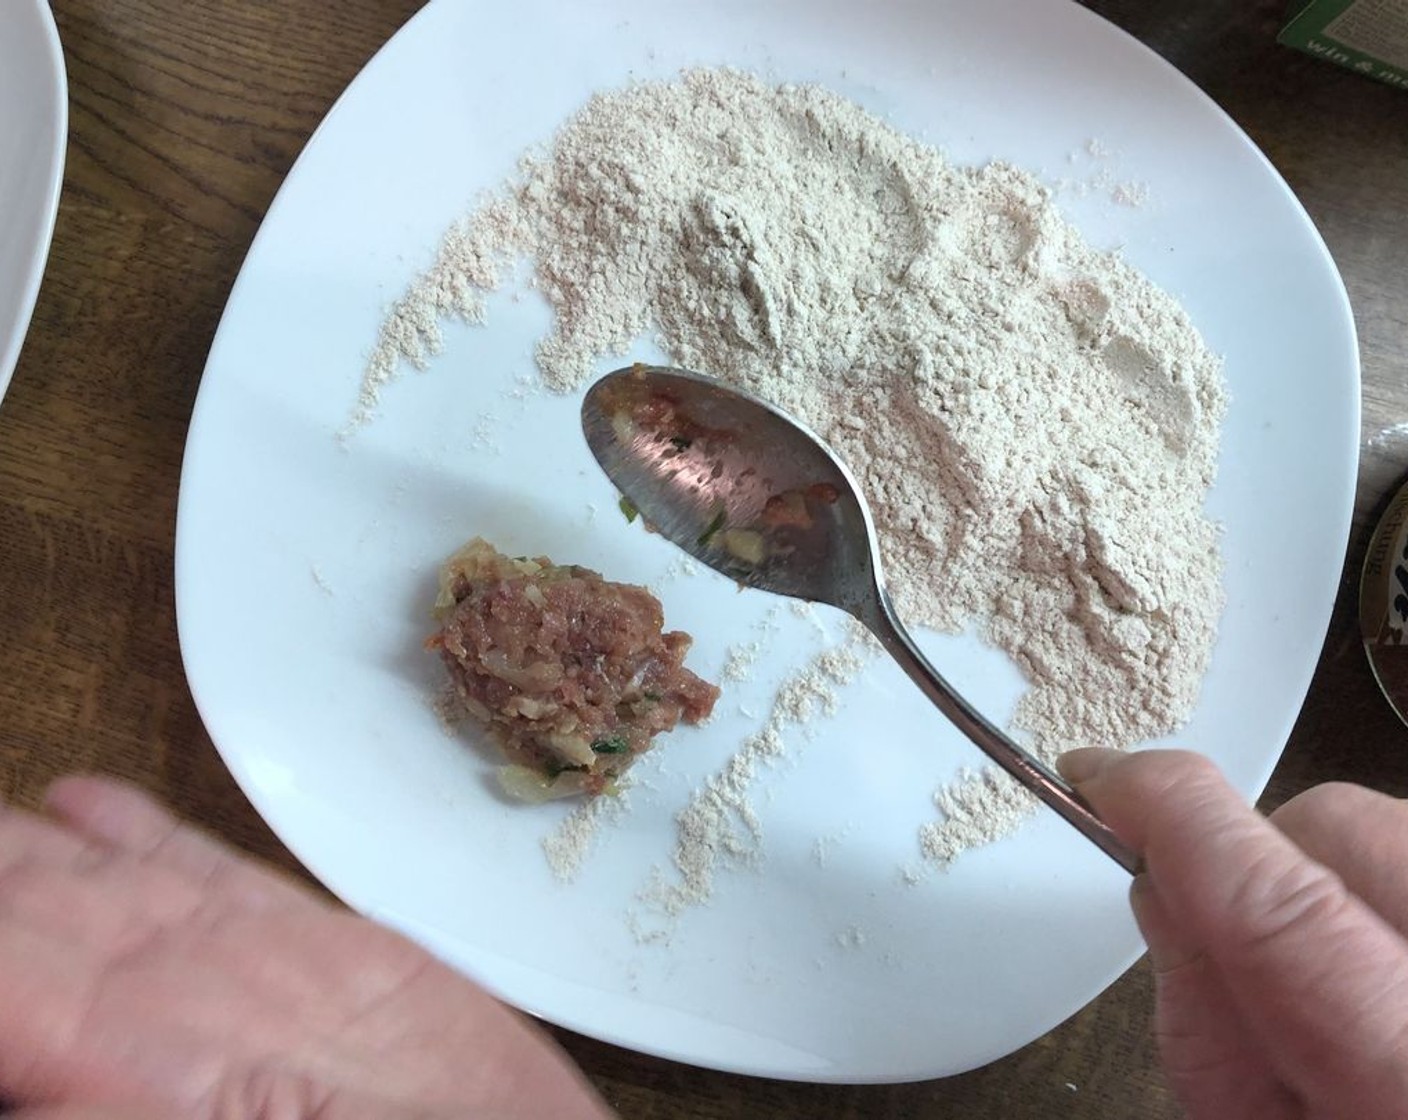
[(1370, 36)]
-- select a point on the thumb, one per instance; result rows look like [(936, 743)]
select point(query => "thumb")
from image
[(1317, 975)]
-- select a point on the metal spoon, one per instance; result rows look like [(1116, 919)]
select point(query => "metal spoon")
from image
[(747, 490)]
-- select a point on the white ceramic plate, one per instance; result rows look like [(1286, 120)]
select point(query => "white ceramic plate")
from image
[(33, 131), (304, 566)]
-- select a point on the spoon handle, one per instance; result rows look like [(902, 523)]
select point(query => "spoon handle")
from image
[(1049, 786)]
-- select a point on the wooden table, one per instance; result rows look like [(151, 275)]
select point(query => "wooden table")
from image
[(185, 118)]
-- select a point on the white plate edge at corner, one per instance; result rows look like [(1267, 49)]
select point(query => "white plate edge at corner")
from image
[(41, 31)]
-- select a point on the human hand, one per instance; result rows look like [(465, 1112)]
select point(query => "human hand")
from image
[(145, 970), (1278, 946)]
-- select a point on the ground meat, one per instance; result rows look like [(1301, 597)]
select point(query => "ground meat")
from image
[(571, 674)]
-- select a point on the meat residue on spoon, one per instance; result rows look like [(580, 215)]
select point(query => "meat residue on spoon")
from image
[(638, 408), (572, 675)]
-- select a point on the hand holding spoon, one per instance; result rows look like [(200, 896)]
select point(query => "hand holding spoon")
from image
[(747, 490)]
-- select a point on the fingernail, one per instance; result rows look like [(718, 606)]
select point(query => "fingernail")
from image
[(1081, 765)]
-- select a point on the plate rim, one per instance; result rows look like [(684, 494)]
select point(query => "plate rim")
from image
[(53, 53)]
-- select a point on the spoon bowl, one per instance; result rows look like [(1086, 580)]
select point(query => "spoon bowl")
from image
[(754, 494)]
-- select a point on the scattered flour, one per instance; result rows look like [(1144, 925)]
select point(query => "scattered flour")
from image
[(1132, 193), (572, 841), (740, 659), (822, 846), (1100, 179), (681, 567), (720, 826), (852, 937), (1034, 423), (976, 809)]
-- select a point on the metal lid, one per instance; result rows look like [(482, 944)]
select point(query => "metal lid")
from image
[(1383, 603)]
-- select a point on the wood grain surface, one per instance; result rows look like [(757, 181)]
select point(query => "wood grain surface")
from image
[(185, 116)]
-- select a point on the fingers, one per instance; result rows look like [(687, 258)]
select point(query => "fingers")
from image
[(1359, 834), (109, 867), (54, 884), (1211, 1059), (106, 810), (128, 820), (1320, 979), (43, 986), (31, 840), (80, 1112), (207, 992)]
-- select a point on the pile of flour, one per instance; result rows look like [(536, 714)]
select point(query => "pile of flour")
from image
[(1034, 423)]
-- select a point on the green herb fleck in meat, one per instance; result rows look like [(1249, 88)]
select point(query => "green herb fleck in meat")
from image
[(711, 530), (628, 508), (614, 745)]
